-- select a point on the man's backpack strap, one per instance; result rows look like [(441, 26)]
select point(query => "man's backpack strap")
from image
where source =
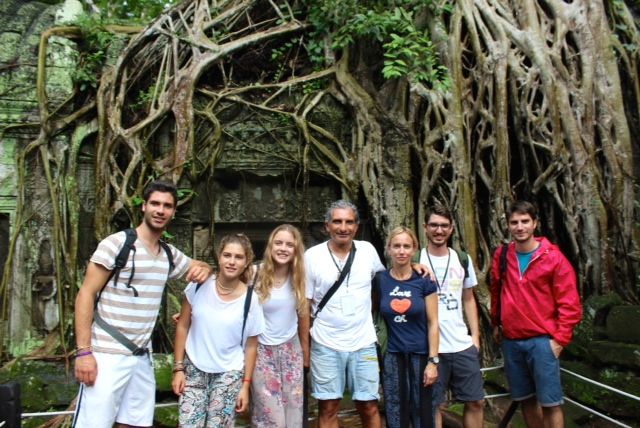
[(119, 264), (117, 335), (167, 250), (503, 269), (463, 256)]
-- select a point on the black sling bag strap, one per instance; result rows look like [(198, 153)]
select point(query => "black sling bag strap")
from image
[(503, 269), (343, 274)]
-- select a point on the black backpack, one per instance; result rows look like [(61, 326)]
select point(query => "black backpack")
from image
[(121, 262)]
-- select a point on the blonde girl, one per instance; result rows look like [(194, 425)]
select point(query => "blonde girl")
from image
[(283, 346)]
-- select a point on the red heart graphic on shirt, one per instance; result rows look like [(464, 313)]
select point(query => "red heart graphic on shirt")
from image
[(400, 305)]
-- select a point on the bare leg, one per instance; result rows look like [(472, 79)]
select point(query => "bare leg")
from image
[(473, 414), (328, 413), (369, 414), (532, 412), (553, 417)]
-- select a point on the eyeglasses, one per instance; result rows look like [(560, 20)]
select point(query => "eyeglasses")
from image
[(443, 226)]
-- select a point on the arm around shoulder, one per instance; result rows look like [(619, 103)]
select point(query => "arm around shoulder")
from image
[(198, 271)]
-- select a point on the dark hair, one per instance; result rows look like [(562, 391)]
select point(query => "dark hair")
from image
[(522, 207), (438, 209), (242, 240), (341, 205), (160, 186)]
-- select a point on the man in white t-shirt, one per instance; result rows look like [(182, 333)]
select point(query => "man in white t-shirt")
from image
[(343, 352), (459, 366), (116, 385)]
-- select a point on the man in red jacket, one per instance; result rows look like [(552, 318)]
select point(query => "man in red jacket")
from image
[(534, 308)]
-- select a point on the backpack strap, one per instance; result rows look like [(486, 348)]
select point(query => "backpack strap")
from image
[(503, 269), (463, 256), (121, 262), (245, 312), (167, 250), (117, 335)]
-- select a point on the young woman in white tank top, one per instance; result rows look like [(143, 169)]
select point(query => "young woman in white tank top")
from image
[(283, 347)]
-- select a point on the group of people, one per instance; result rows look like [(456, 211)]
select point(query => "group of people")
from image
[(246, 332)]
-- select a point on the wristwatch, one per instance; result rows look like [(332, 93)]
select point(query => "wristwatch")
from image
[(435, 360)]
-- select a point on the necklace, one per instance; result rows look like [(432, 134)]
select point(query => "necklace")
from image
[(279, 282), (400, 276), (224, 290)]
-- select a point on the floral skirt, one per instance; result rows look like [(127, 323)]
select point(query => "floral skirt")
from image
[(209, 399), (277, 387)]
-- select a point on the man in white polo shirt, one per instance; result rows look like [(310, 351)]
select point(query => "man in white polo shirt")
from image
[(343, 352), (118, 384)]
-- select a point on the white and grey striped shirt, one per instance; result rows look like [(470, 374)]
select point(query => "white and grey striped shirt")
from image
[(135, 317)]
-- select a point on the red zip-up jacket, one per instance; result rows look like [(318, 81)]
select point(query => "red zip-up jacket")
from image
[(544, 301)]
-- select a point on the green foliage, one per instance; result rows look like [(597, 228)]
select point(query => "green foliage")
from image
[(96, 43), (141, 11), (408, 49)]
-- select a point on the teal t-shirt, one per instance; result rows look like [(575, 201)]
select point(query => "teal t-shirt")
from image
[(524, 259)]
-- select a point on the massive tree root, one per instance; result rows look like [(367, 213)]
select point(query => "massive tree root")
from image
[(542, 104)]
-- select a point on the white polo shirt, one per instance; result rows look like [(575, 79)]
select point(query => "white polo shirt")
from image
[(345, 323)]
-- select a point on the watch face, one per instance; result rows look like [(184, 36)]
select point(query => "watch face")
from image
[(434, 360)]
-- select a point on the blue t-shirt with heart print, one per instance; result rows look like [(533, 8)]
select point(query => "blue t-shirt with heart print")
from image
[(402, 306)]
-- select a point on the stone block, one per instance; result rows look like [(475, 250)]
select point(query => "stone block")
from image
[(616, 353), (622, 324)]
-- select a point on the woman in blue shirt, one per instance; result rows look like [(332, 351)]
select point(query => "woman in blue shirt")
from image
[(408, 304)]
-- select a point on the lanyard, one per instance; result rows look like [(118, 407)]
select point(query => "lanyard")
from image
[(446, 269), (335, 262)]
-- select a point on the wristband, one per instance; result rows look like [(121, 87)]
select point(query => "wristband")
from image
[(81, 348), (178, 363), (246, 380), (181, 369), (83, 354)]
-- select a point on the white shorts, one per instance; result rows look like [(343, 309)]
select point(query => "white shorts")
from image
[(124, 392)]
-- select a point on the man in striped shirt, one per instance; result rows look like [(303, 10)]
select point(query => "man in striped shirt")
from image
[(116, 385)]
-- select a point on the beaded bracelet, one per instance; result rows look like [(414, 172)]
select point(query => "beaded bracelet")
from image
[(181, 369), (81, 348), (83, 354), (178, 363)]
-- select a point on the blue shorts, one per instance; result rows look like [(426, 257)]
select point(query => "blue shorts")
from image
[(532, 369), (459, 371), (332, 370)]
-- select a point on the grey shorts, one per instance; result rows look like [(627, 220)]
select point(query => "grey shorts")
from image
[(460, 372)]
